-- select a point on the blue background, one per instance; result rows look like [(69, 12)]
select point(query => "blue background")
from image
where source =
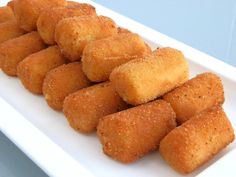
[(208, 25)]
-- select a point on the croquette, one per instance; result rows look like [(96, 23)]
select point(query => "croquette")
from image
[(33, 69), (48, 19), (202, 92), (196, 141), (15, 50), (144, 79), (100, 57), (62, 81), (10, 30), (28, 11), (84, 108), (130, 134), (11, 4), (123, 30), (6, 14), (81, 31)]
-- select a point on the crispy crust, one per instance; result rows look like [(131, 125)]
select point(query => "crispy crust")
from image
[(82, 30), (33, 69), (72, 4), (84, 108), (48, 19), (144, 79), (123, 30), (11, 4), (62, 81), (100, 57), (15, 50), (28, 11), (197, 94), (130, 134), (6, 14), (10, 30), (197, 140)]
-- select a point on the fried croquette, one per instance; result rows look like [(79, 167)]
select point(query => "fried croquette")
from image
[(72, 4), (48, 19), (82, 30), (100, 57), (197, 94), (62, 81), (15, 50), (33, 69), (84, 108), (6, 14), (28, 11), (197, 140), (11, 5), (130, 134), (122, 30), (10, 30), (144, 79)]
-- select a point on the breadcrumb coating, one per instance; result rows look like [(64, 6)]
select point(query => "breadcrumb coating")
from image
[(62, 81), (100, 57), (196, 141), (84, 108), (130, 134), (13, 51), (82, 30), (33, 69), (48, 19), (142, 80), (28, 11), (202, 92)]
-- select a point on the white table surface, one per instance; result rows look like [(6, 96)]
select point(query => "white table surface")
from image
[(209, 26)]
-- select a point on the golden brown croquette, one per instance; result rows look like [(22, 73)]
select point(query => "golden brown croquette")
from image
[(62, 81), (33, 69), (82, 30), (84, 108), (144, 79), (48, 19), (100, 57), (28, 11), (15, 50), (197, 140), (130, 134), (197, 94)]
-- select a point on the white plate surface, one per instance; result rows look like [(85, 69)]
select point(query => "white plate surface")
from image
[(45, 136)]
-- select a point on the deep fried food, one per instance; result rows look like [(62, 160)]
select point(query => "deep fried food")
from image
[(84, 108), (196, 141), (15, 50), (10, 30), (130, 134), (82, 30), (33, 69), (100, 57), (48, 19), (197, 94), (28, 11), (11, 4), (72, 4), (6, 14), (123, 30), (142, 80), (62, 81)]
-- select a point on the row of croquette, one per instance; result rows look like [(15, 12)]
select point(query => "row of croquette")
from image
[(185, 120)]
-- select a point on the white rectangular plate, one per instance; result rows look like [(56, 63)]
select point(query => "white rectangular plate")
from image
[(45, 136)]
